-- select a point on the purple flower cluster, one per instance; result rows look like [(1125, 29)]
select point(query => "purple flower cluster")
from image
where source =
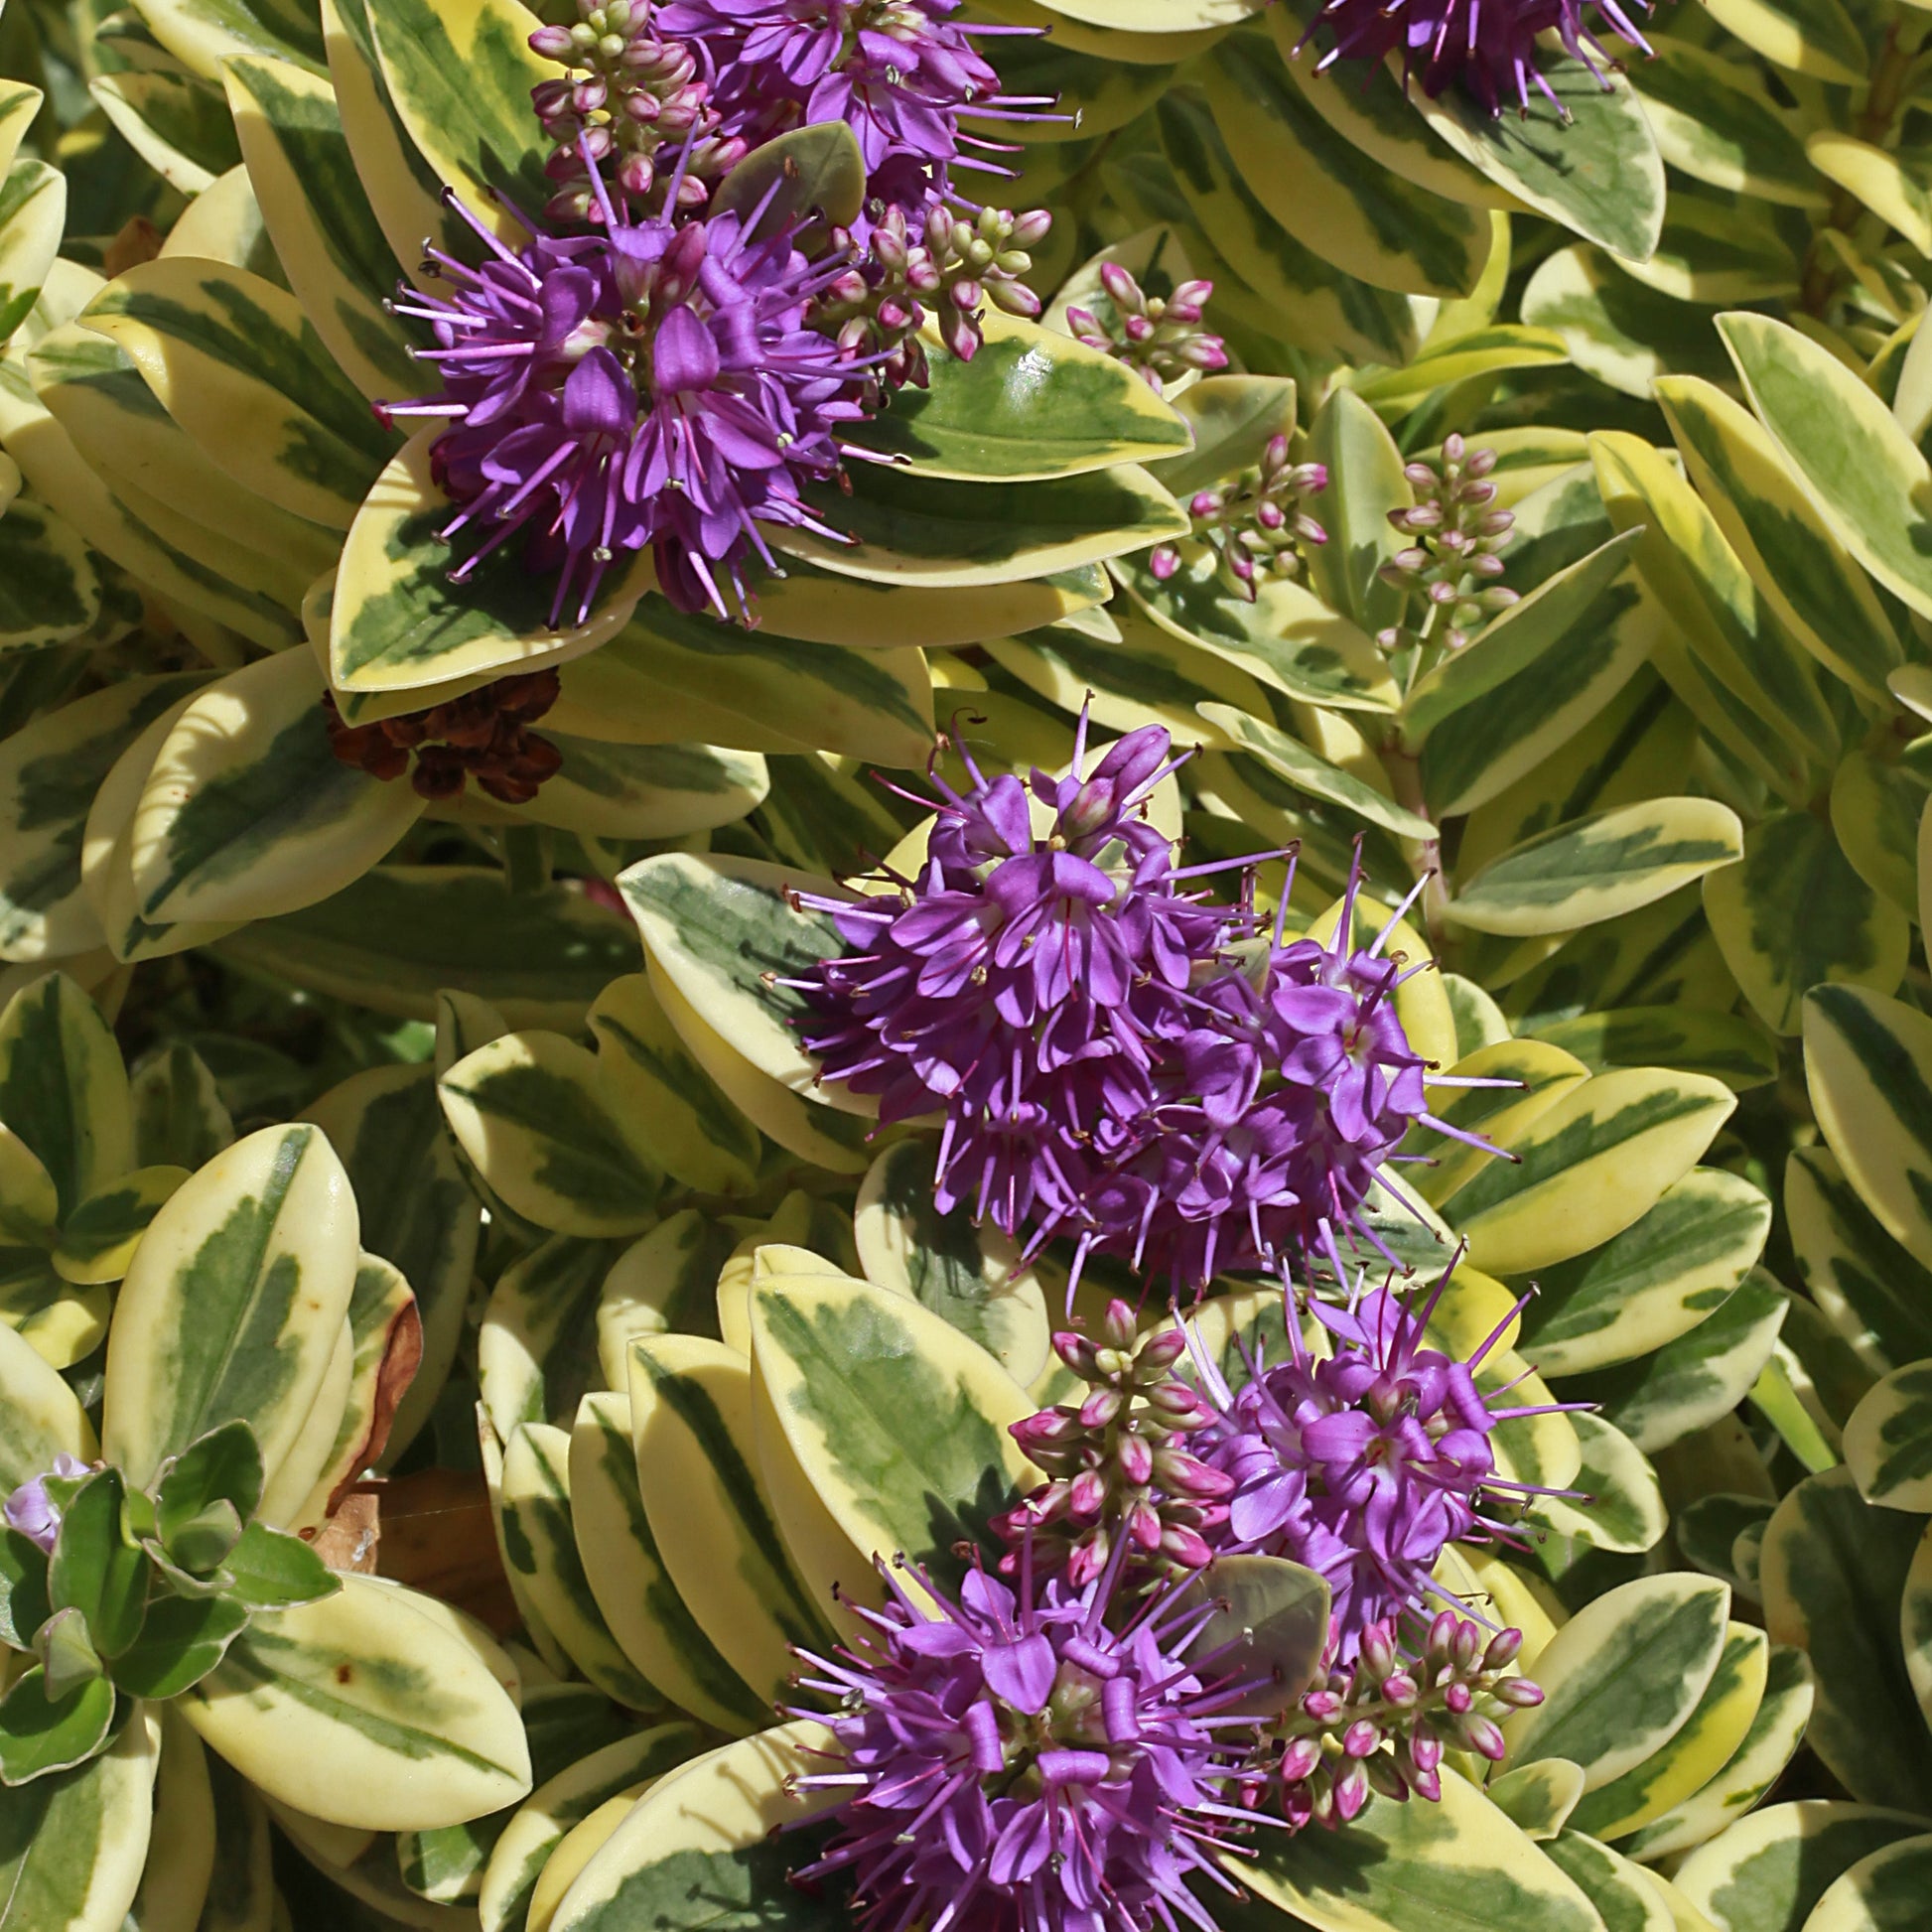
[(1015, 1765), (903, 74), (653, 386), (1486, 47), (1111, 1060), (672, 383), (1362, 1465)]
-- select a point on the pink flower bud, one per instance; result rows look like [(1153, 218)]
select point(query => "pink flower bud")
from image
[(1483, 1736), (1135, 1459), (1300, 1756), (1179, 1544), (1101, 1408)]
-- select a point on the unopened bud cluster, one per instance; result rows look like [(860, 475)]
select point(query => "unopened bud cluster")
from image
[(952, 263), (1255, 522), (1382, 1724), (1117, 1461), (1161, 339), (628, 94), (1454, 562)]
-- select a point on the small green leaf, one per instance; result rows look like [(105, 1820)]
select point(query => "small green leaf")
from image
[(24, 1604), (1270, 1622), (223, 1466), (274, 1571), (96, 1569), (67, 1653), (818, 169), (40, 1733), (181, 1641)]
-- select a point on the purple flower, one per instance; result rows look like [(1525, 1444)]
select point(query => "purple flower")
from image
[(33, 1512), (1017, 987), (1277, 1109), (1363, 1465), (1487, 47), (1015, 1765), (1108, 1058), (900, 72), (650, 385)]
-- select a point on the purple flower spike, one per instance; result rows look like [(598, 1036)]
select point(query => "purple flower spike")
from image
[(1363, 1465), (903, 74), (32, 1511), (1017, 987), (1110, 1060), (1015, 1765), (652, 385), (1486, 47)]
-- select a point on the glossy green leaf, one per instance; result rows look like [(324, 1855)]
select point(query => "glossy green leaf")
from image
[(235, 360), (1880, 1894), (1654, 1282), (1771, 1869), (703, 1847), (936, 533), (541, 1822), (73, 1846), (1795, 915), (1869, 1062), (537, 1520), (1599, 866), (1858, 467), (1451, 1867), (414, 1211), (50, 772), (374, 1708), (1596, 1162), (1326, 192), (898, 1421), (44, 1731), (1776, 1729), (710, 1508), (326, 236), (62, 1088), (1622, 1677), (234, 1302), (1587, 160), (1799, 566), (1691, 1039), (1701, 1375), (1697, 1752), (1031, 404), (458, 78), (969, 1274), (1888, 1440), (402, 933), (634, 1591), (529, 1111), (1834, 1567)]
